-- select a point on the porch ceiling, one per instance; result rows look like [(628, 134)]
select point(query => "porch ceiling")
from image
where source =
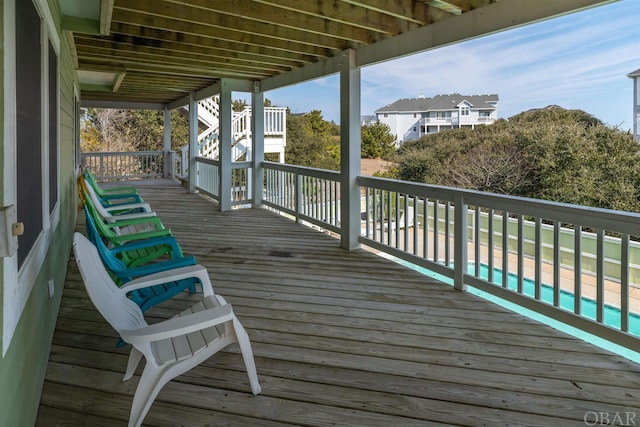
[(159, 51)]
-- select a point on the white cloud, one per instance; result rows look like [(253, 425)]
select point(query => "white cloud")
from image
[(575, 61)]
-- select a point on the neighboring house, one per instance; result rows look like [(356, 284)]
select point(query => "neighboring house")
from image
[(636, 102), (412, 118), (368, 120)]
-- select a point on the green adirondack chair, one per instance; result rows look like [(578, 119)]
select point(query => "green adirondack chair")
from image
[(117, 233)]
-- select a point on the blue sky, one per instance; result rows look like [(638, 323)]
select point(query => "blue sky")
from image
[(578, 61)]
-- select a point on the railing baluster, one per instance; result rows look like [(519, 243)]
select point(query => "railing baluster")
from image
[(577, 269), (447, 233), (425, 228), (624, 283), (600, 276), (556, 263), (505, 249), (490, 242), (436, 230), (538, 259), (476, 240), (520, 253)]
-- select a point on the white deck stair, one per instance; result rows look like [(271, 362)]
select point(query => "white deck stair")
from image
[(208, 139)]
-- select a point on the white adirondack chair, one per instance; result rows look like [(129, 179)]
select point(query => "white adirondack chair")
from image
[(171, 347)]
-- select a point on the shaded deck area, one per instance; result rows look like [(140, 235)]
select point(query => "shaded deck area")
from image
[(340, 339)]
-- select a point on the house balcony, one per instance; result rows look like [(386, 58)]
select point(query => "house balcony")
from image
[(365, 337)]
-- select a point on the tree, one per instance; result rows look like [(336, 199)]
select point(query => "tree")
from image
[(551, 153), (130, 130), (377, 141), (310, 142)]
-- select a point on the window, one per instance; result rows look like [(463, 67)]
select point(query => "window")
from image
[(53, 128), (28, 125), (464, 111), (415, 115), (385, 115)]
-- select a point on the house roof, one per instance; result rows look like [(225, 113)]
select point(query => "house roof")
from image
[(635, 73), (441, 103), (160, 51)]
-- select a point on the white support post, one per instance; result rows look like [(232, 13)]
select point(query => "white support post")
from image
[(193, 141), (349, 151), (257, 140), (460, 256), (226, 141), (166, 143)]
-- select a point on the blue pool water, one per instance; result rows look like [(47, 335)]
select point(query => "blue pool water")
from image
[(612, 314)]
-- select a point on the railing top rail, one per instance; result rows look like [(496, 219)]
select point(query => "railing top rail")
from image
[(586, 216), (213, 162), (305, 170), (121, 153)]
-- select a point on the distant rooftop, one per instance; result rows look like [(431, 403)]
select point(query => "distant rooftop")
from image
[(635, 73), (440, 102)]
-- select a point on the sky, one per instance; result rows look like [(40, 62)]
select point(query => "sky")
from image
[(577, 61)]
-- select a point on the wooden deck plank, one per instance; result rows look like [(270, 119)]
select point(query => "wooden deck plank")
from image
[(340, 338)]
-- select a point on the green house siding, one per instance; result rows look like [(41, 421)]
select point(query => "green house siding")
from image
[(22, 369)]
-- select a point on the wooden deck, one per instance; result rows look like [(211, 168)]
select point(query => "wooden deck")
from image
[(340, 339)]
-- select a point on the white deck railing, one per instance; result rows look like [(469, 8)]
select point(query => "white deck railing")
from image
[(208, 181), (307, 194), (575, 264), (126, 165)]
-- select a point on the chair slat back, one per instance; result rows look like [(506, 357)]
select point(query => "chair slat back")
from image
[(111, 262), (97, 204), (102, 228), (111, 301)]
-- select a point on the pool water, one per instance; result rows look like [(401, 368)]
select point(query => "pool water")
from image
[(612, 315)]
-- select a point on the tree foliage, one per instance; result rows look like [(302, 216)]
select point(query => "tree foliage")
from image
[(377, 141), (551, 153), (130, 130), (311, 141)]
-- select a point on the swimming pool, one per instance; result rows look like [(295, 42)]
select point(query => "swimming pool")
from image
[(612, 315)]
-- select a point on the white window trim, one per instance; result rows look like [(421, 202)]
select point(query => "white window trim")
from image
[(17, 285)]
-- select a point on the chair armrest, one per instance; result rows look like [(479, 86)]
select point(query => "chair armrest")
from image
[(129, 206), (124, 190), (179, 325), (132, 221), (198, 271), (156, 267), (124, 238), (107, 199), (176, 250), (124, 217)]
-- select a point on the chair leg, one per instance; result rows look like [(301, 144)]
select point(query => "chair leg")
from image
[(247, 355), (149, 386), (134, 359)]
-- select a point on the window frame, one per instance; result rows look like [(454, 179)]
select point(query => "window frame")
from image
[(19, 280)]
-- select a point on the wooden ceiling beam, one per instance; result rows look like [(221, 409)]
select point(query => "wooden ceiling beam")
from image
[(344, 13), (169, 70), (413, 11), (223, 27), (291, 18), (86, 50), (182, 50)]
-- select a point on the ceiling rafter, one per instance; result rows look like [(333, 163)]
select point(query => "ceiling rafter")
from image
[(161, 50)]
